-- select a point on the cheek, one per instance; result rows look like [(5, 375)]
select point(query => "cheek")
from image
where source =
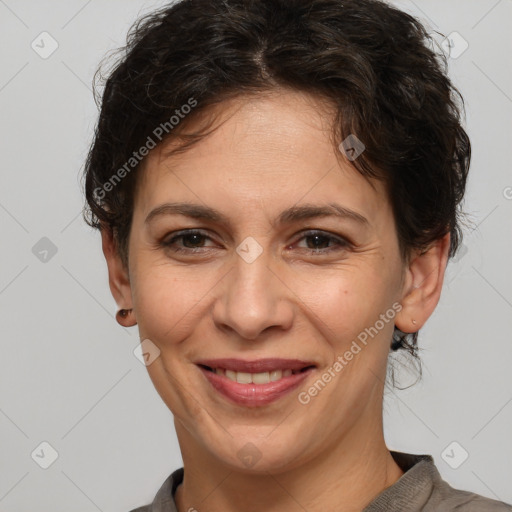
[(346, 301), (168, 302)]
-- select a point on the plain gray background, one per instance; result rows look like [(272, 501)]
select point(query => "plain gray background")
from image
[(68, 373)]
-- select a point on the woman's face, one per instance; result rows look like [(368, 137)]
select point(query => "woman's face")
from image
[(265, 278)]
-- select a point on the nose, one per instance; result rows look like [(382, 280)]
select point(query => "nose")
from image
[(253, 298)]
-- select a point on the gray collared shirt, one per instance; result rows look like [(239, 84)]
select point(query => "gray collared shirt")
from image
[(420, 488)]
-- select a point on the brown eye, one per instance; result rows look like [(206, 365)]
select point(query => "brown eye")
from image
[(322, 242), (186, 240)]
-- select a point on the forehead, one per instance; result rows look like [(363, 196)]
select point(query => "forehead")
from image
[(274, 149)]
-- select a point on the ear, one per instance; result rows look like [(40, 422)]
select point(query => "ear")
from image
[(422, 287), (118, 276)]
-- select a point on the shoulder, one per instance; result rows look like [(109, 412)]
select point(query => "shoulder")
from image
[(164, 499), (446, 499), (421, 488)]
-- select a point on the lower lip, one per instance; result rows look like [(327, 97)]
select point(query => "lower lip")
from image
[(254, 395)]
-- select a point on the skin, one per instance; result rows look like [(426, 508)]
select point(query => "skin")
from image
[(268, 153)]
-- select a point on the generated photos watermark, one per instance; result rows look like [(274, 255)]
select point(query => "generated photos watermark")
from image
[(304, 397), (137, 156)]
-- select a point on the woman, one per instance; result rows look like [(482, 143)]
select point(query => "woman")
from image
[(278, 188)]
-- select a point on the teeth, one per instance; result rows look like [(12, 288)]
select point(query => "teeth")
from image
[(276, 375), (254, 378), (243, 378)]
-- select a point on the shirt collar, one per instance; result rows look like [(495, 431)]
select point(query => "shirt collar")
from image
[(164, 499), (411, 491)]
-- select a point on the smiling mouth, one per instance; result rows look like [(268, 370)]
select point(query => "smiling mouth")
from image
[(255, 378)]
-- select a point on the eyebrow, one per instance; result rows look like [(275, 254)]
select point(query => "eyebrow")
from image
[(290, 215)]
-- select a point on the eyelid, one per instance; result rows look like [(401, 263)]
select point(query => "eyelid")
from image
[(340, 242), (322, 232), (182, 233)]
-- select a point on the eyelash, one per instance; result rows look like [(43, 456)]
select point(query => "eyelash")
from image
[(342, 243)]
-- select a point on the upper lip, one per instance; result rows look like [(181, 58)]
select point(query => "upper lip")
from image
[(256, 366)]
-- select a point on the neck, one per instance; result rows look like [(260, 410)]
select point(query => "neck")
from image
[(349, 474)]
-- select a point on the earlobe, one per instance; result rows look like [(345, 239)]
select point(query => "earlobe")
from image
[(124, 318), (118, 277), (422, 285)]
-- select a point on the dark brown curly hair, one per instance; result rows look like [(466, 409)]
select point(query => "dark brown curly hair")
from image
[(372, 62)]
